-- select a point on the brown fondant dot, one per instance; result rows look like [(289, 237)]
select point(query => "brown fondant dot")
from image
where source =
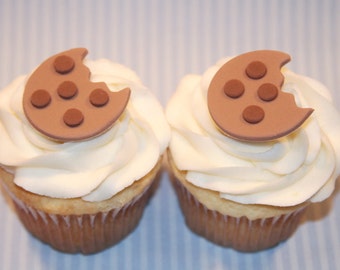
[(40, 98), (63, 64), (99, 97), (73, 117), (234, 88), (256, 70), (253, 114), (67, 90), (267, 92)]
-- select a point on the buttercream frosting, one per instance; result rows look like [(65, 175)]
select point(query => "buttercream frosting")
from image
[(288, 171), (94, 169)]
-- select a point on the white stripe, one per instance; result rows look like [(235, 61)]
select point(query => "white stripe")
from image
[(158, 40)]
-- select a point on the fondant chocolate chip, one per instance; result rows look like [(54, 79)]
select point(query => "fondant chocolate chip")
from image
[(73, 117), (256, 70), (67, 90), (267, 92), (63, 64), (234, 88), (99, 97), (40, 98), (253, 114)]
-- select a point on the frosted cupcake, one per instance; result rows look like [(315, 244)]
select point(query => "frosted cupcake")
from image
[(81, 146), (253, 144)]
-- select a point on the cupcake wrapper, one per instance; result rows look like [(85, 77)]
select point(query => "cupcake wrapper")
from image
[(88, 233), (239, 233)]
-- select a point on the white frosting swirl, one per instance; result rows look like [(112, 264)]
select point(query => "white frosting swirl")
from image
[(95, 169), (300, 167)]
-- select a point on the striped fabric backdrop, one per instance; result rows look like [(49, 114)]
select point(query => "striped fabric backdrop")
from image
[(162, 41)]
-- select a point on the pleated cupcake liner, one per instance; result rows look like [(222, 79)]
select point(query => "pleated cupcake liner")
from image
[(239, 233), (87, 233)]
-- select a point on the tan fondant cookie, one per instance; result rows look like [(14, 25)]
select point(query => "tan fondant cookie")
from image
[(246, 102), (61, 102)]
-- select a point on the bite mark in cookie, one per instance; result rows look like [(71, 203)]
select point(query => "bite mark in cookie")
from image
[(246, 102), (62, 103)]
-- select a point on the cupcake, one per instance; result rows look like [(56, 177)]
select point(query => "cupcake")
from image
[(253, 144), (81, 147)]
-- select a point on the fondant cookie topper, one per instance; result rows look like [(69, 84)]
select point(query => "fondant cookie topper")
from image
[(61, 102), (246, 102)]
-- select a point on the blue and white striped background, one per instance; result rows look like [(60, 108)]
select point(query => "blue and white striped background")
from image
[(162, 41)]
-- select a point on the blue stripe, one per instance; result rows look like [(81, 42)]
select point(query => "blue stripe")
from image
[(162, 41)]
